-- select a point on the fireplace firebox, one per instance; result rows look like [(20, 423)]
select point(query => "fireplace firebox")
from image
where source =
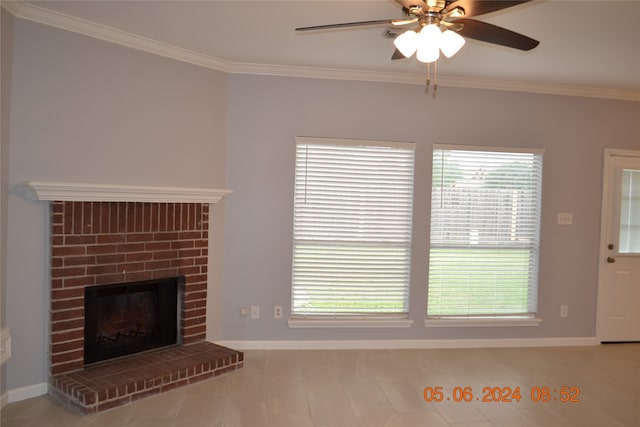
[(127, 318)]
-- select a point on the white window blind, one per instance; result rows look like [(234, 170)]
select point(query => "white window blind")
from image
[(485, 226), (352, 228)]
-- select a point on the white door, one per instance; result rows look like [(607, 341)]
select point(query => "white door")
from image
[(619, 272)]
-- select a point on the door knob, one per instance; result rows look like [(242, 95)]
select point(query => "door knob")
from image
[(611, 260), (610, 246)]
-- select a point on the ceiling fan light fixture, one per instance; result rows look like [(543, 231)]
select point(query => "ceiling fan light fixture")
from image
[(450, 43), (429, 41), (407, 43)]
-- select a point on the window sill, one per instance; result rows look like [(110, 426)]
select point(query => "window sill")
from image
[(349, 323), (477, 322)]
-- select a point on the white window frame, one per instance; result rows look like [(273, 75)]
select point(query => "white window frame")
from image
[(301, 319), (524, 319)]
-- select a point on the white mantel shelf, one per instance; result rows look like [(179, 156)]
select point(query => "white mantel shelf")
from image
[(62, 191)]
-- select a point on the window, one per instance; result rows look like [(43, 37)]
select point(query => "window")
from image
[(630, 212), (352, 228), (485, 221)]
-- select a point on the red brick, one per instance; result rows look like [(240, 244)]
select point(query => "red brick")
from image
[(190, 235), (79, 260), (161, 274), (70, 282), (67, 346), (182, 244), (67, 314), (67, 367), (157, 246), (110, 259), (102, 269), (65, 325), (139, 237), (155, 265), (165, 255), (131, 247), (138, 275), (112, 238), (67, 250), (77, 217), (166, 236), (188, 253), (170, 224), (67, 304), (155, 217), (96, 222), (105, 217), (101, 249), (67, 272), (107, 279), (131, 267), (57, 294), (67, 336), (189, 270), (139, 256)]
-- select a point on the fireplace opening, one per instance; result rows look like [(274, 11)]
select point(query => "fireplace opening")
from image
[(131, 317)]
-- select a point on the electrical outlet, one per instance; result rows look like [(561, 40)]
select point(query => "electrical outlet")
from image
[(564, 311), (277, 312), (244, 312), (255, 312), (565, 218)]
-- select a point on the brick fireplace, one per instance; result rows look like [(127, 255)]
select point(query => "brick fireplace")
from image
[(99, 236)]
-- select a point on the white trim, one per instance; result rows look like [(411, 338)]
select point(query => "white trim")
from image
[(22, 393), (458, 147), (106, 33), (481, 323), (605, 224), (113, 35), (62, 191), (408, 344), (349, 323), (302, 140)]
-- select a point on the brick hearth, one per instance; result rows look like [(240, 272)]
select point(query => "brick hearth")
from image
[(125, 380)]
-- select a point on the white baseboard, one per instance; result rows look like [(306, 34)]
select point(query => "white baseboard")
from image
[(408, 344), (22, 393)]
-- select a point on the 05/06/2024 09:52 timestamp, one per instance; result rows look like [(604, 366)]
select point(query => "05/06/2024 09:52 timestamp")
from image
[(537, 394)]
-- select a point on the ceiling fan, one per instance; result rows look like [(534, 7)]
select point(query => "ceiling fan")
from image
[(442, 25)]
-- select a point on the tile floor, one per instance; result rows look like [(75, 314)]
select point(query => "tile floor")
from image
[(372, 388)]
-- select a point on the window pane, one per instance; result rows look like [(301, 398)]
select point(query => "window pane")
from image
[(630, 212), (352, 228), (485, 217)]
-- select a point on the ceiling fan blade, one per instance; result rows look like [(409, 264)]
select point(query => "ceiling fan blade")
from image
[(493, 34), (480, 7), (394, 22), (397, 55)]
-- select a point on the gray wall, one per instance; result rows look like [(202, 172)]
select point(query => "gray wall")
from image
[(5, 89), (267, 113), (87, 111), (83, 110)]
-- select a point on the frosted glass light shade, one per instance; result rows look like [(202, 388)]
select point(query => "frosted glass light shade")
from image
[(429, 43), (450, 43), (407, 43)]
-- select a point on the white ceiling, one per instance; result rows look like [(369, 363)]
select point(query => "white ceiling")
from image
[(594, 44)]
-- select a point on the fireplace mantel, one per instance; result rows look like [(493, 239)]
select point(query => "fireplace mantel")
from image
[(62, 191)]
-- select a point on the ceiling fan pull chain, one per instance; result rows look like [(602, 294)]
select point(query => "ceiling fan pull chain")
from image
[(428, 83), (435, 78)]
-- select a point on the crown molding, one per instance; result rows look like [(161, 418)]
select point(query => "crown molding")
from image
[(45, 16), (106, 33), (78, 192)]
